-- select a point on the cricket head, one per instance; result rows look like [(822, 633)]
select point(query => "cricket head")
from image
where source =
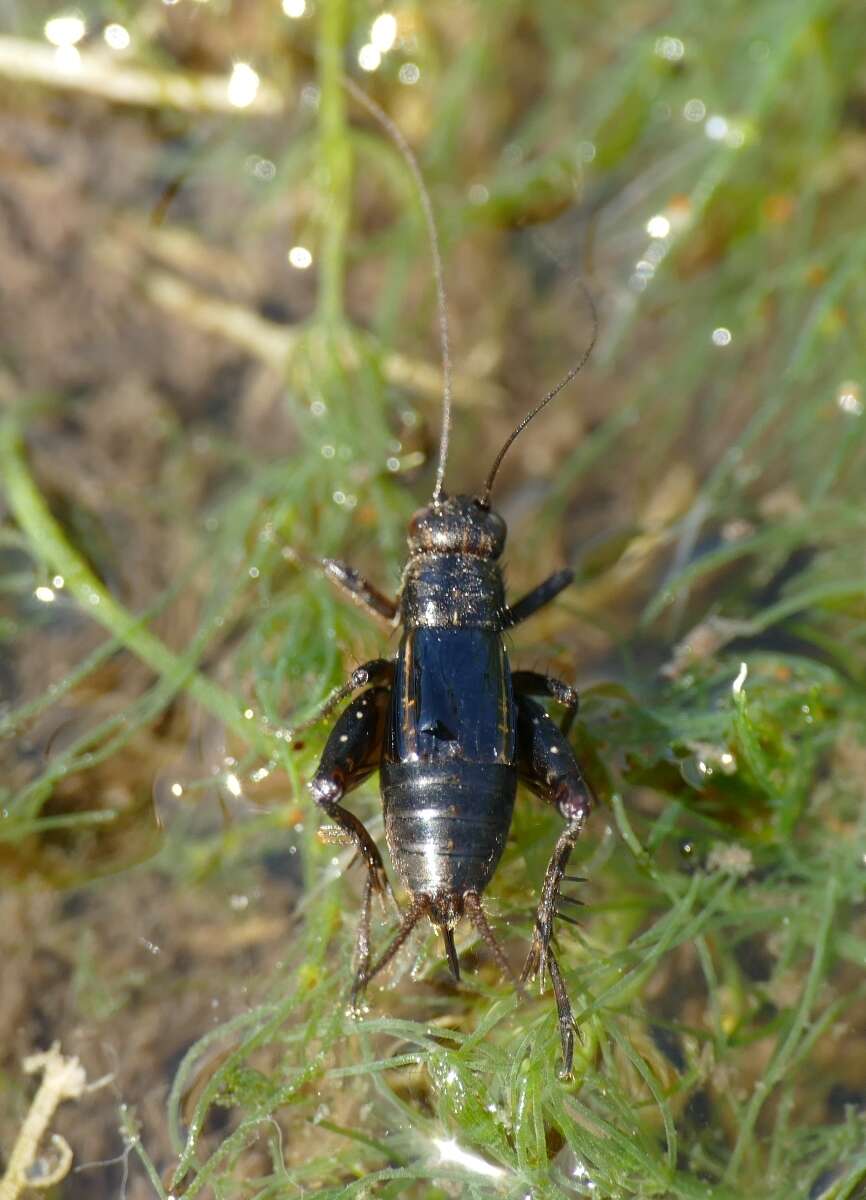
[(457, 525)]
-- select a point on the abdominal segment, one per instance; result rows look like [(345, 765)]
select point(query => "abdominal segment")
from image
[(446, 825)]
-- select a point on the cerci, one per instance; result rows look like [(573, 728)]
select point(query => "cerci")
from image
[(449, 726)]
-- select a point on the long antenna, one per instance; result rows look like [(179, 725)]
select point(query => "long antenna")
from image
[(484, 498), (396, 135)]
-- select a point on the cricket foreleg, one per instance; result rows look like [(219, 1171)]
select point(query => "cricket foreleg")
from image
[(529, 604), (359, 590)]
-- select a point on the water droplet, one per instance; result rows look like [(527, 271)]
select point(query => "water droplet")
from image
[(369, 57), (658, 226), (670, 48), (383, 32), (310, 95), (716, 128), (300, 258), (243, 85), (66, 29), (849, 399), (116, 36)]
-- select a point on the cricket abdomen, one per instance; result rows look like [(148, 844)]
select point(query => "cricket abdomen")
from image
[(447, 824)]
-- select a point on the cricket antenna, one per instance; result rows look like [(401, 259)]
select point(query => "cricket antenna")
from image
[(484, 498), (396, 135)]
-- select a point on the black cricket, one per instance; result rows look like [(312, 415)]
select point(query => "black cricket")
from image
[(448, 725)]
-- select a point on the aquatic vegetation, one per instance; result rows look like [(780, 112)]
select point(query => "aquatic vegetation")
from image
[(271, 397)]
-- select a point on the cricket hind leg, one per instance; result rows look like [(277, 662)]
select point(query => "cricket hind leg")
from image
[(531, 683), (546, 764), (352, 753)]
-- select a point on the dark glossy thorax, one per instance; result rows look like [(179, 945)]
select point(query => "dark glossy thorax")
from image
[(442, 591)]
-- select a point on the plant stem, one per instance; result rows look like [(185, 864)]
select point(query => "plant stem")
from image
[(336, 159), (785, 1051), (49, 545)]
